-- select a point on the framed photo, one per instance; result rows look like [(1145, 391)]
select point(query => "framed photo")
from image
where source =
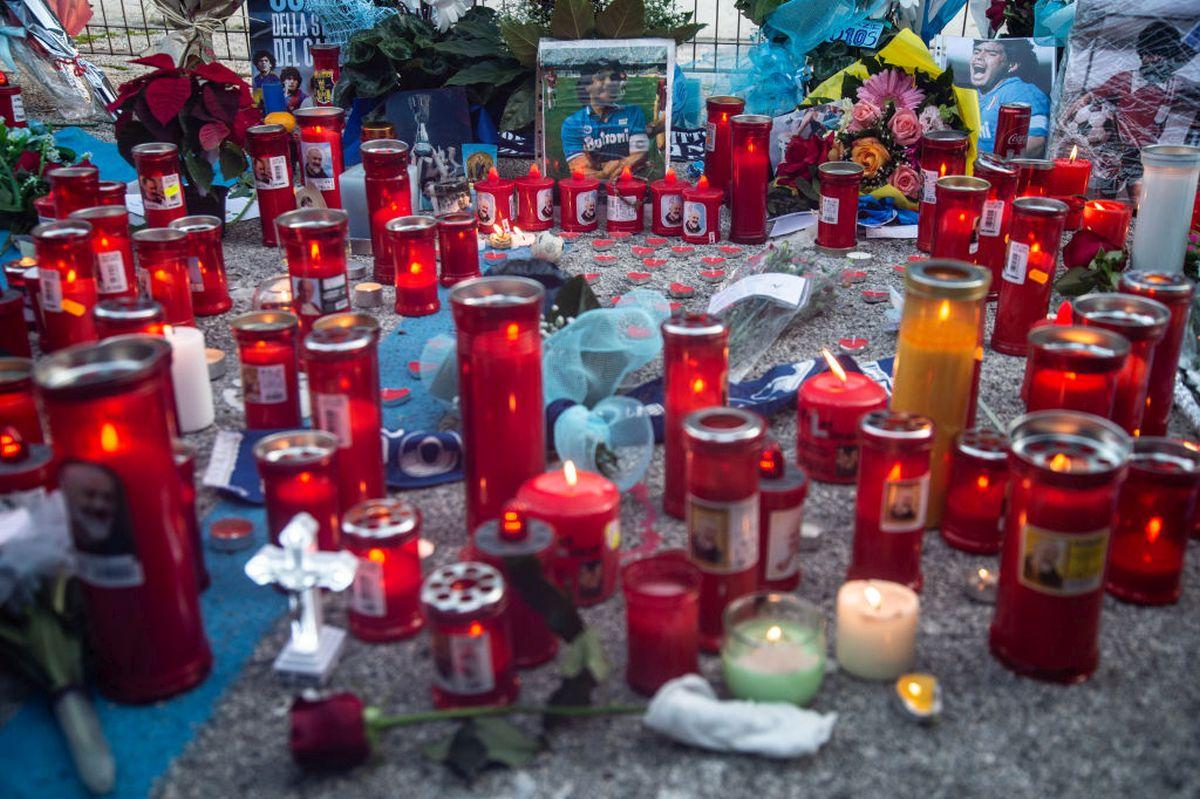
[(280, 60), (436, 122), (605, 105)]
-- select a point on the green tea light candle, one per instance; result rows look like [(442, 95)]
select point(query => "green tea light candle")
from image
[(774, 648)]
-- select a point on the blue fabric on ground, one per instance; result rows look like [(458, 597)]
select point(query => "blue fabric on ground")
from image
[(104, 155)]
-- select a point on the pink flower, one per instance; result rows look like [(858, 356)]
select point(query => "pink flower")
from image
[(863, 115), (905, 180), (906, 128), (931, 119), (893, 85)]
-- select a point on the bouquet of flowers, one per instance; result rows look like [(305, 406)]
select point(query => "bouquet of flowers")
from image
[(25, 156)]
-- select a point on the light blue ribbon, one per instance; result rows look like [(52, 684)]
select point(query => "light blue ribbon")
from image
[(9, 32)]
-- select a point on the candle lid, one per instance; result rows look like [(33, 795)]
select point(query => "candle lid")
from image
[(62, 229), (15, 372), (751, 120), (983, 444), (945, 138), (296, 447), (946, 279), (379, 153), (514, 534), (78, 171), (840, 168), (963, 183), (788, 610), (726, 99), (102, 212), (1172, 285), (664, 578), (380, 126), (463, 589), (722, 425), (1171, 155), (384, 518), (457, 219), (196, 223), (410, 224), (682, 323), (990, 164), (1039, 164), (1069, 443), (268, 130), (497, 292), (893, 427), (1168, 459), (100, 367), (158, 235), (336, 339), (1041, 206), (347, 319), (327, 48), (129, 309), (154, 148), (313, 218), (1063, 346), (319, 113), (1135, 317), (264, 322)]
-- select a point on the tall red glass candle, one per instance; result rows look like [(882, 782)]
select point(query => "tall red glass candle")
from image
[(107, 412), (73, 187), (662, 619), (893, 492), (973, 519), (122, 316), (14, 335), (266, 343), (718, 140), (465, 606), (185, 468), (412, 243), (321, 151), (1012, 129), (829, 406), (535, 201), (626, 200), (702, 213), (1175, 292), (666, 205), (12, 105), (1108, 219), (1065, 470), (1028, 273), (113, 248), (111, 192), (578, 197), (17, 408), (782, 490), (458, 248), (385, 601), (494, 202), (943, 152), (837, 215), (67, 290), (299, 476), (314, 243), (326, 71), (206, 264), (996, 219), (157, 165), (1073, 368), (695, 375), (498, 320), (1033, 176), (957, 215), (750, 172), (270, 150), (385, 174), (162, 257)]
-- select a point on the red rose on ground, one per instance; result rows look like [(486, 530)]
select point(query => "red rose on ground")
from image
[(1084, 246), (328, 733), (28, 161), (803, 155)]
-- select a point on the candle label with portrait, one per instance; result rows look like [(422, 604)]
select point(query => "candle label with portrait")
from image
[(695, 218), (101, 526), (904, 503), (993, 215), (1016, 262), (264, 385), (161, 192), (1061, 564), (463, 663), (143, 281), (670, 210), (110, 272), (710, 136), (545, 205), (367, 595), (51, 287), (783, 542), (317, 157), (723, 535), (321, 295), (585, 207), (621, 209), (838, 452), (929, 186), (271, 172), (331, 412), (485, 203)]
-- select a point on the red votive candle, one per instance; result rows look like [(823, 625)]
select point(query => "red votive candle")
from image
[(269, 147), (206, 264), (465, 605), (14, 334), (314, 243), (578, 197), (662, 619), (718, 139), (702, 213), (996, 219), (342, 364), (157, 165), (123, 316), (266, 343), (1033, 176), (73, 187), (535, 201), (385, 174), (321, 150), (494, 201), (44, 206), (666, 205), (1108, 219), (1175, 292), (943, 152), (695, 375), (111, 192), (782, 490), (185, 468), (1065, 470), (1028, 273), (458, 247), (956, 216), (67, 283), (498, 322), (1012, 130), (626, 198), (326, 71), (17, 408), (973, 519), (113, 248), (298, 476), (162, 257), (107, 412), (26, 469), (385, 602), (837, 216), (12, 105), (829, 407), (893, 495), (514, 535), (750, 173), (1070, 175), (1073, 368), (412, 240)]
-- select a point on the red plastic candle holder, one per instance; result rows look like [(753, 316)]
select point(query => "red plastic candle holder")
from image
[(314, 244), (270, 150), (157, 165), (12, 106), (494, 202), (108, 413), (829, 407), (626, 200), (14, 334), (385, 175), (1012, 130), (162, 257), (695, 375), (185, 468), (702, 213), (458, 247), (662, 619), (1108, 219), (973, 520), (1028, 273), (123, 316), (412, 240), (1033, 176), (465, 605), (957, 216), (837, 215), (73, 188), (535, 201), (67, 283), (782, 490), (1175, 292), (298, 476), (113, 248), (578, 197), (111, 192), (666, 205), (1070, 176), (1065, 469), (17, 407), (385, 601), (1074, 368), (321, 151), (44, 206), (206, 264), (943, 152), (325, 71), (26, 469), (718, 139), (996, 219), (750, 173), (266, 342)]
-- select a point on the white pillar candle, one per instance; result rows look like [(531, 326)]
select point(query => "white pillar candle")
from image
[(1169, 177), (189, 376), (876, 628)]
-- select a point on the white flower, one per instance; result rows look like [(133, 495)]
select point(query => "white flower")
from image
[(446, 12), (931, 119)]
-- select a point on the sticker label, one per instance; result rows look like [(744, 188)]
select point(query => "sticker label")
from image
[(612, 534), (1062, 564), (545, 205), (485, 203), (903, 506), (322, 85), (315, 296), (621, 209), (585, 207), (101, 525), (670, 210), (110, 272), (463, 663), (264, 385), (829, 209), (928, 189), (723, 536), (331, 412), (710, 136), (161, 192), (367, 596), (143, 281), (18, 108), (195, 274), (695, 218), (109, 571), (783, 542), (993, 215), (271, 173), (1015, 262), (51, 285), (317, 157)]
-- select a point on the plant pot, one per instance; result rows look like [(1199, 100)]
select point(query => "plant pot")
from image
[(212, 204)]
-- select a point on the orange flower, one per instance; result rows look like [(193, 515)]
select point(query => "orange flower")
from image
[(871, 154)]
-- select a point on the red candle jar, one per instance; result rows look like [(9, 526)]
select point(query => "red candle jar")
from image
[(385, 602), (1065, 469), (206, 264), (535, 201), (266, 343), (662, 619), (498, 322), (956, 216), (412, 242), (1073, 368), (385, 175), (33, 293), (1033, 176), (111, 192), (1108, 219), (73, 187), (893, 494), (373, 131), (185, 466), (943, 152), (494, 202), (157, 165), (465, 605), (314, 243), (829, 407), (666, 205), (1143, 322), (111, 244), (270, 150), (515, 536), (718, 140), (1175, 292), (326, 71), (26, 470), (67, 290), (837, 217), (1012, 129), (342, 363), (14, 335), (1070, 176), (1028, 273), (17, 408), (107, 412), (974, 517), (298, 476), (123, 316), (702, 213), (162, 256), (458, 247), (321, 150), (782, 490), (626, 198), (996, 219), (12, 106), (723, 447), (748, 178), (578, 197), (695, 375), (584, 509), (44, 206)]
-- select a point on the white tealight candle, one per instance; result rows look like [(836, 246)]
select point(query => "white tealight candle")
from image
[(189, 376), (876, 628)]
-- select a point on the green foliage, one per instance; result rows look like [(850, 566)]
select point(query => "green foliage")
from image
[(1102, 274), (24, 155), (757, 10), (482, 742), (573, 19), (622, 19), (522, 40)]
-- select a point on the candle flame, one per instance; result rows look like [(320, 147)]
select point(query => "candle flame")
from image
[(314, 251), (414, 268), (702, 183), (493, 174), (982, 482), (893, 473), (12, 448), (913, 687), (774, 633), (834, 366), (425, 547), (109, 441), (512, 332), (534, 172), (168, 330), (1060, 463), (569, 473), (1153, 529), (476, 629), (698, 385), (670, 176), (873, 597), (944, 311), (1074, 152), (983, 574), (626, 174), (376, 555)]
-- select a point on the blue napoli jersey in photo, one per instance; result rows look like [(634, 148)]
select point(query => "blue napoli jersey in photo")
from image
[(1012, 90), (618, 133)]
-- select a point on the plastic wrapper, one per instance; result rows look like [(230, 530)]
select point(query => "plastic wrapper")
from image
[(615, 439)]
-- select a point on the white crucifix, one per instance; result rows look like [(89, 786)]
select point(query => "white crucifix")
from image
[(298, 568)]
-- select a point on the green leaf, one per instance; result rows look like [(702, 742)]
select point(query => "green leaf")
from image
[(682, 34), (622, 19), (480, 22), (504, 743), (1076, 282), (573, 19), (585, 653), (522, 40), (232, 160), (572, 692), (575, 297), (482, 742), (554, 606), (521, 108), (200, 171), (469, 48), (398, 50), (493, 72)]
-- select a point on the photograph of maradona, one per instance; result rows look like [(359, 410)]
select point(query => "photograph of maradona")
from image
[(605, 107)]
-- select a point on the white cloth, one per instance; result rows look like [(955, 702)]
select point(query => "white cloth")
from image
[(687, 710)]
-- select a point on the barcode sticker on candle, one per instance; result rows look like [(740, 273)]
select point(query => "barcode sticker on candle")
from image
[(317, 157), (903, 505), (710, 137), (622, 209), (783, 542), (271, 172), (1015, 263), (723, 536), (928, 189), (161, 192), (331, 412), (463, 663), (18, 108), (993, 215), (670, 210), (367, 595), (195, 275), (485, 209), (1062, 564), (545, 205), (829, 209), (51, 285), (264, 385), (110, 272), (109, 571)]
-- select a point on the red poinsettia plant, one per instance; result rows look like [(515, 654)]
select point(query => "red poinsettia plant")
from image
[(204, 110)]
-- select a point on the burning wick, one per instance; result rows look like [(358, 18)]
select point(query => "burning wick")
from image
[(1074, 152), (873, 597), (774, 633), (834, 366), (572, 477)]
